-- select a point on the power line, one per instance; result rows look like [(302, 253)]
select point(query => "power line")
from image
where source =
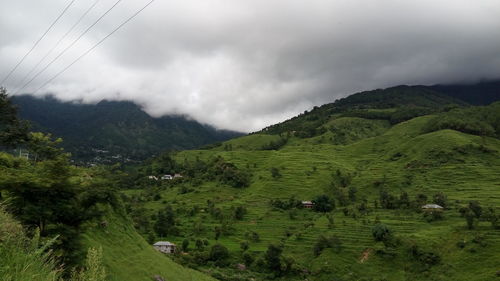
[(58, 42), (95, 46), (38, 41), (68, 47)]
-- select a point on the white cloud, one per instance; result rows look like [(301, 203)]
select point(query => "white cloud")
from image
[(243, 65)]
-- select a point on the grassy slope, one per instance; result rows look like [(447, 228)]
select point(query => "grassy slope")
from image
[(403, 159), (128, 257), (20, 257)]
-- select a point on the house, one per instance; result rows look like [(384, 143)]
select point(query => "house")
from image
[(153, 178), (165, 247), (166, 177), (176, 176), (307, 204), (432, 207)]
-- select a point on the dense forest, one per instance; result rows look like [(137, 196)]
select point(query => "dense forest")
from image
[(111, 131)]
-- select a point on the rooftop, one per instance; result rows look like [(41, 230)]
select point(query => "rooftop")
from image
[(432, 206), (163, 243)]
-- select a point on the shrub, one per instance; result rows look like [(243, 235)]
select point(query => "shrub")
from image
[(440, 199), (248, 259), (323, 203), (275, 172), (239, 212), (324, 242), (381, 232), (185, 245), (273, 257), (218, 254), (244, 245)]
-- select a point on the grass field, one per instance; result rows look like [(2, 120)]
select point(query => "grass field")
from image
[(400, 158), (127, 256)]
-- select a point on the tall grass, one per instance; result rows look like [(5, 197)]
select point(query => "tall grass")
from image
[(22, 258), (28, 259)]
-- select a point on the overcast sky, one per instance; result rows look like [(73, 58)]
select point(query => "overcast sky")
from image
[(246, 64)]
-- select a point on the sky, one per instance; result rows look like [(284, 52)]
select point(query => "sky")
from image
[(246, 64)]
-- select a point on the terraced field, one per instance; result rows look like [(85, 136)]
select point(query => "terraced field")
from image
[(400, 158)]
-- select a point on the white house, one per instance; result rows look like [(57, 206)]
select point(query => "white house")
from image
[(307, 204), (432, 207), (176, 176), (165, 247), (167, 177), (153, 178)]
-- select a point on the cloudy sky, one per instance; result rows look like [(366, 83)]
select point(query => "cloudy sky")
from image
[(246, 64)]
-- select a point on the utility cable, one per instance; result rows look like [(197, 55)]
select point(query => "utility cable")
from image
[(36, 43), (68, 47), (57, 44), (95, 46)]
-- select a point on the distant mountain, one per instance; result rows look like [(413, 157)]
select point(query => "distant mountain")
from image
[(482, 93), (396, 104), (113, 131)]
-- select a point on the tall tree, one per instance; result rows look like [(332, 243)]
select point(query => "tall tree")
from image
[(12, 130)]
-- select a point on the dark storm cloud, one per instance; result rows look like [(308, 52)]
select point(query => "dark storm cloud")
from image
[(247, 64)]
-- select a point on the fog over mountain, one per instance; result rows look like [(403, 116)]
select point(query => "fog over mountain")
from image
[(243, 65)]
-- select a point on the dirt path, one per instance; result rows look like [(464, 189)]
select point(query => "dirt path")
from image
[(365, 255)]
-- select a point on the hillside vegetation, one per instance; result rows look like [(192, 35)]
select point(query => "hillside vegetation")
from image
[(110, 131), (367, 170), (61, 222)]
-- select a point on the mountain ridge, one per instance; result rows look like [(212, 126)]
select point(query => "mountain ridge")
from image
[(119, 129)]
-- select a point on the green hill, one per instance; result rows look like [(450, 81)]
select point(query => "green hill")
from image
[(375, 167), (128, 257)]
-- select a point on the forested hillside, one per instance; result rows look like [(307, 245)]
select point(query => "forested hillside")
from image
[(110, 132), (369, 163), (62, 222)]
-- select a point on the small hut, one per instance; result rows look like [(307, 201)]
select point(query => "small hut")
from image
[(432, 207), (165, 247), (307, 204)]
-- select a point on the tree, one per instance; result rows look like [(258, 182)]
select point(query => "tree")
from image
[(492, 217), (244, 245), (387, 200), (165, 222), (352, 193), (324, 242), (381, 232), (273, 257), (469, 218), (239, 212), (248, 259), (199, 245), (12, 130), (420, 199), (185, 245), (323, 203), (43, 195), (163, 164), (404, 200), (476, 208), (275, 172), (218, 232), (218, 253), (43, 147), (440, 199)]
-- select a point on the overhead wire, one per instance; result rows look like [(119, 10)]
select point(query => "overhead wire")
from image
[(57, 43), (94, 46), (36, 43), (68, 47)]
